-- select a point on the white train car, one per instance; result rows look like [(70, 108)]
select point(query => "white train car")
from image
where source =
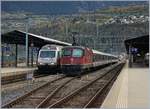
[(101, 58), (49, 57)]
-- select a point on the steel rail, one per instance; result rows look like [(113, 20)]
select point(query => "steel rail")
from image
[(61, 101), (49, 97), (19, 99), (102, 89)]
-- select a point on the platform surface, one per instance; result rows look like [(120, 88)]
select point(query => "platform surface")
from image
[(130, 90), (14, 71)]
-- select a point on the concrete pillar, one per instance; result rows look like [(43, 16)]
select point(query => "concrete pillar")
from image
[(16, 57), (32, 56), (28, 57), (130, 56), (2, 57), (37, 53), (27, 42)]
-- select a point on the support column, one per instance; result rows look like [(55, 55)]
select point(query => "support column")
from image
[(130, 56), (16, 57), (32, 56), (28, 56), (2, 57), (37, 53), (27, 43)]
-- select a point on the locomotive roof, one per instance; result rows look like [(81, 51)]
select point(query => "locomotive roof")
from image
[(94, 51), (49, 46), (74, 47)]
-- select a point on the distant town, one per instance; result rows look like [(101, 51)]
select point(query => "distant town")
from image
[(127, 19)]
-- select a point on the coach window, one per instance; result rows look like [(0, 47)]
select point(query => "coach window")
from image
[(102, 57)]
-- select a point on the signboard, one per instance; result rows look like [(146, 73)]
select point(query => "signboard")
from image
[(6, 48), (35, 50), (134, 50)]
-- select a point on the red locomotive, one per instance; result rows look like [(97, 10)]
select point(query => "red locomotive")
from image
[(76, 59)]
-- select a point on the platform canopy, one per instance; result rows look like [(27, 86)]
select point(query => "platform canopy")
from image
[(18, 37), (141, 44)]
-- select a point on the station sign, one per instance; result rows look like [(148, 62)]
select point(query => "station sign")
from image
[(6, 48), (134, 50), (35, 50)]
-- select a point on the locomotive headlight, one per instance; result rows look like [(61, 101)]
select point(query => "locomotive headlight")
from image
[(52, 63), (71, 59), (40, 63)]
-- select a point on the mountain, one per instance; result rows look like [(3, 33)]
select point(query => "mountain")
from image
[(62, 7), (117, 21)]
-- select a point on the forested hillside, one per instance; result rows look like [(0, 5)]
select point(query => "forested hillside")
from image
[(101, 29)]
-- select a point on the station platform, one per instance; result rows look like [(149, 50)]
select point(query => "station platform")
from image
[(130, 90), (11, 74), (10, 71)]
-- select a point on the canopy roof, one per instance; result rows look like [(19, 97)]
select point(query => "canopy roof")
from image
[(141, 43), (18, 37)]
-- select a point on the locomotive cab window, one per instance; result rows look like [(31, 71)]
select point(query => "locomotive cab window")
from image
[(47, 54), (77, 53), (66, 52)]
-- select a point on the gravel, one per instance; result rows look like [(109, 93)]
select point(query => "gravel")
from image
[(75, 84), (14, 90)]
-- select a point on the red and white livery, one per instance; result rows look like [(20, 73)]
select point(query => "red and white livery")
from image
[(76, 59)]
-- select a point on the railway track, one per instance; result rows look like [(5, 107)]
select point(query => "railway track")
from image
[(47, 95), (98, 98), (29, 95), (84, 96)]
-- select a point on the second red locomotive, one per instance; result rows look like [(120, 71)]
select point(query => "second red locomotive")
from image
[(76, 59)]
